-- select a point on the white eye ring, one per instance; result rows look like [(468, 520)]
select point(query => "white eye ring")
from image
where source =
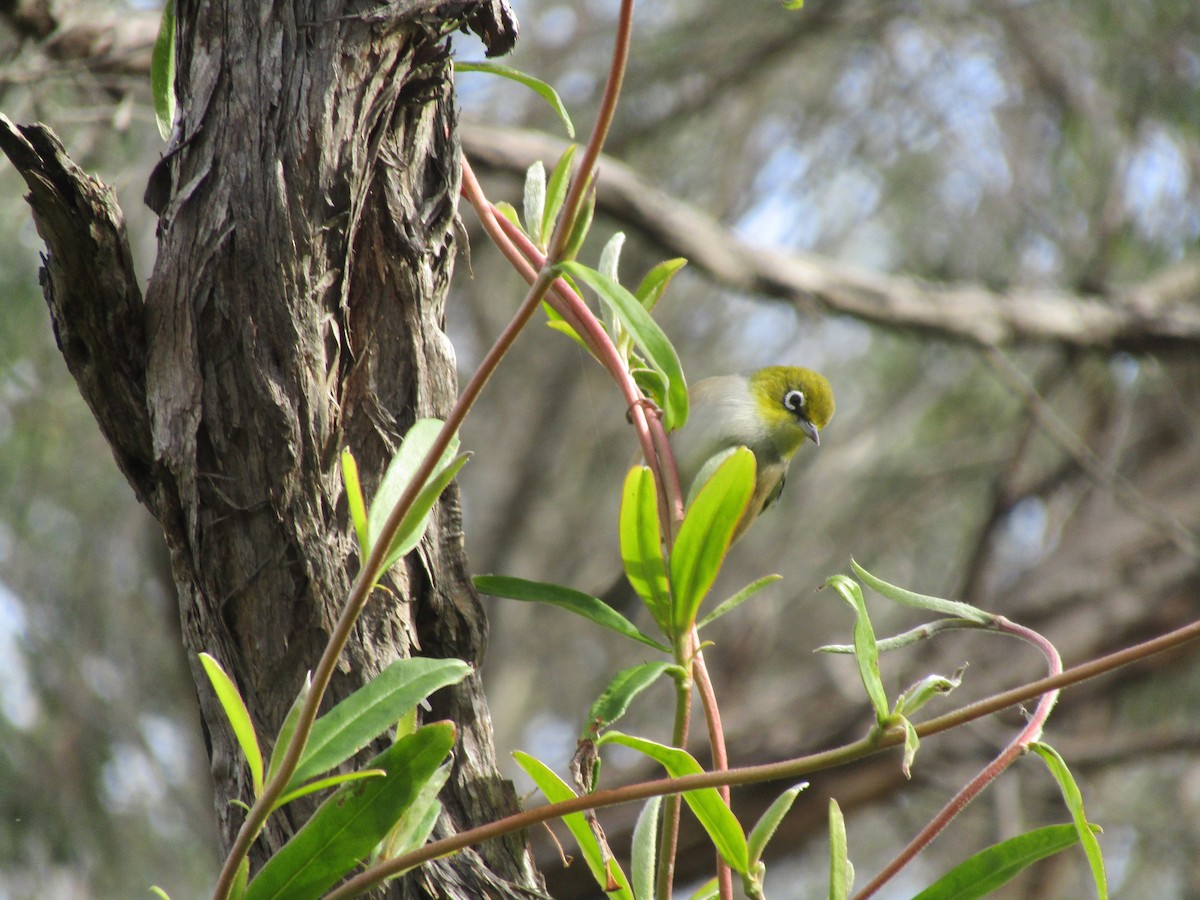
[(793, 401)]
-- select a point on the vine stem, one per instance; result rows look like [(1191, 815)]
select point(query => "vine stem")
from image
[(800, 767), (1015, 749)]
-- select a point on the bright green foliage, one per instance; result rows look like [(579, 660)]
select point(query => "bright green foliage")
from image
[(865, 650), (400, 471), (705, 535), (739, 598), (841, 871), (644, 852), (162, 71), (372, 710), (355, 502), (591, 608), (239, 718), (538, 86), (350, 823), (641, 545), (709, 808), (647, 336), (557, 790), (614, 702), (542, 227), (288, 729), (1074, 800), (922, 601), (994, 867)]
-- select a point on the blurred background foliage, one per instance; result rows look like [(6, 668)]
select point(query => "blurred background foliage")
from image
[(1004, 144)]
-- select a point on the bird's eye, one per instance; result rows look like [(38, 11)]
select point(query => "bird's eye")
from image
[(793, 401)]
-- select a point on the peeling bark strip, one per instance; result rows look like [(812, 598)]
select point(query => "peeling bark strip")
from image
[(296, 306)]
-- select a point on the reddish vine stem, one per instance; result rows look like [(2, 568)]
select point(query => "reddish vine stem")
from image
[(1015, 749), (791, 769)]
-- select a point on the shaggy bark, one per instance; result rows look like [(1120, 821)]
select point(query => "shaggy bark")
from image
[(307, 203)]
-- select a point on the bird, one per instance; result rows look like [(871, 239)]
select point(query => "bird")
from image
[(772, 411)]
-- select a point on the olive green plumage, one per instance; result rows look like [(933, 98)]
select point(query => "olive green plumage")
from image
[(773, 411)]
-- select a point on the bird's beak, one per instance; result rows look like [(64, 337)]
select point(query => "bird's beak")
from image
[(811, 430)]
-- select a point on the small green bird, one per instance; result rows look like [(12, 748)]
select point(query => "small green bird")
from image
[(772, 411)]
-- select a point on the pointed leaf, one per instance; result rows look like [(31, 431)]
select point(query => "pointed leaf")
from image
[(922, 601), (583, 224), (718, 820), (355, 503), (644, 853), (591, 608), (1074, 800), (768, 822), (704, 536), (412, 526), (641, 545), (865, 651), (738, 599), (989, 869), (373, 709), (288, 728), (611, 705), (401, 469), (556, 195), (610, 256), (538, 86), (415, 826), (322, 784), (655, 283), (162, 71), (841, 872), (557, 790), (534, 201), (646, 334), (238, 716), (347, 826)]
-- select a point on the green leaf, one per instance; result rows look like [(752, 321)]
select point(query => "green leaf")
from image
[(355, 503), (793, 4), (538, 86), (706, 804), (1074, 800), (911, 743), (610, 256), (347, 826), (644, 851), (865, 651), (240, 880), (238, 716), (509, 212), (925, 690), (768, 822), (556, 791), (710, 890), (556, 196), (583, 224), (704, 536), (739, 598), (922, 601), (373, 709), (641, 544), (989, 869), (591, 608), (322, 784), (159, 892), (399, 473), (614, 702), (418, 821), (654, 285), (534, 201), (288, 728), (646, 335), (841, 871), (162, 71)]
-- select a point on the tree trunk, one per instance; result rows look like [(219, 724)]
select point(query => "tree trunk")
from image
[(306, 204)]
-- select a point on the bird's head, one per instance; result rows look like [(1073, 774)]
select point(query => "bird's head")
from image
[(793, 404)]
